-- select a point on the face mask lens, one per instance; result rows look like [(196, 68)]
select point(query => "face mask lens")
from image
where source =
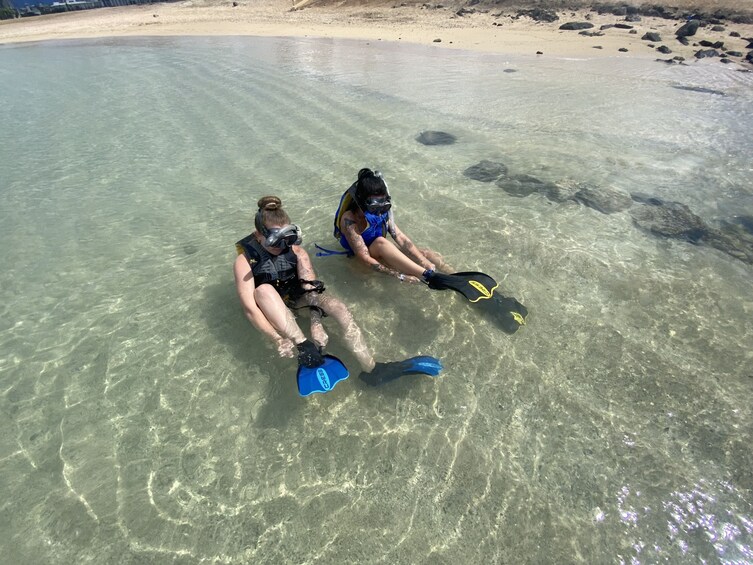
[(282, 238), (378, 205)]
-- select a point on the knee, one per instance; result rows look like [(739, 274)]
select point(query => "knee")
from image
[(379, 245), (264, 293)]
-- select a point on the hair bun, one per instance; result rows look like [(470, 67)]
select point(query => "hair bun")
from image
[(364, 173), (270, 203)]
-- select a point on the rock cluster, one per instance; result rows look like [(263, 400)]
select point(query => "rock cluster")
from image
[(652, 214)]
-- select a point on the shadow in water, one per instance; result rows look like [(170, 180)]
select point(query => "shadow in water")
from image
[(225, 320)]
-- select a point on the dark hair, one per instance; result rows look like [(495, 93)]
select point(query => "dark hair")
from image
[(369, 183), (270, 212)]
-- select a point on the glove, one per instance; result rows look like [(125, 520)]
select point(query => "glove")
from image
[(309, 355)]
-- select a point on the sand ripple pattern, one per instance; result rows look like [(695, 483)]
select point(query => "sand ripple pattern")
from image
[(145, 422)]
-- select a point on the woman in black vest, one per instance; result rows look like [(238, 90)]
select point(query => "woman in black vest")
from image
[(274, 274)]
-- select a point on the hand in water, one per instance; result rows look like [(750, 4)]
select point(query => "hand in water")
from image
[(410, 279), (285, 347), (309, 354)]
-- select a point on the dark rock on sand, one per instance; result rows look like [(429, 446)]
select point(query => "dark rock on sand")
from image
[(683, 40), (734, 53), (623, 50), (633, 31), (651, 36), (576, 25), (703, 53), (688, 29), (714, 44), (632, 18), (734, 34), (698, 89), (435, 138), (664, 49), (623, 26), (510, 71), (718, 28), (591, 33), (522, 185), (486, 171), (539, 15), (606, 200), (669, 219), (606, 26)]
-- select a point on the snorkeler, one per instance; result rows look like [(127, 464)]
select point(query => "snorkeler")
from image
[(363, 220), (362, 223), (273, 275)]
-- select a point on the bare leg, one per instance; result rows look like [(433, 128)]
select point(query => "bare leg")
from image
[(437, 259), (278, 315), (318, 333), (353, 336), (390, 255)]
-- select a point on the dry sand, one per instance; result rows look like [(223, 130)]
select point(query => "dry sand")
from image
[(414, 23)]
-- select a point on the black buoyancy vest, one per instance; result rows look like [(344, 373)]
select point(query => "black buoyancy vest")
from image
[(277, 270)]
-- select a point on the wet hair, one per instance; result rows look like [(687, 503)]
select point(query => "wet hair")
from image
[(270, 212), (369, 183)]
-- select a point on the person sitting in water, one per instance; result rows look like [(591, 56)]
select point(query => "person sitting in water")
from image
[(274, 274), (362, 222)]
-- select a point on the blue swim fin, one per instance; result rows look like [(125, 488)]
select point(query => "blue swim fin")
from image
[(322, 378), (386, 372)]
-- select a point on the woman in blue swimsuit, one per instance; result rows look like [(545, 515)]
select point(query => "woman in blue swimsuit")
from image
[(362, 223)]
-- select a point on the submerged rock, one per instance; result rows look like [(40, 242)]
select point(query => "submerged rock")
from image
[(675, 220), (486, 171), (698, 89), (561, 192), (606, 200), (670, 219), (522, 185), (435, 138)]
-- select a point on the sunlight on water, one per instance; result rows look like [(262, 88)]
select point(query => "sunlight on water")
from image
[(145, 421)]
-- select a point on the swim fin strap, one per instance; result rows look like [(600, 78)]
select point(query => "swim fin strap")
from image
[(322, 378), (386, 372)]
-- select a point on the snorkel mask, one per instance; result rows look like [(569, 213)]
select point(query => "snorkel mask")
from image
[(377, 205), (283, 237), (279, 238)]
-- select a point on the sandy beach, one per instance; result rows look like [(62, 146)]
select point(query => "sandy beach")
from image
[(480, 28)]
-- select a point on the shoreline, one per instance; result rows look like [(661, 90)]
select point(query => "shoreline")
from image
[(482, 31)]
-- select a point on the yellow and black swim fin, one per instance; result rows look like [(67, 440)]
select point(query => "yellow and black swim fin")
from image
[(479, 288)]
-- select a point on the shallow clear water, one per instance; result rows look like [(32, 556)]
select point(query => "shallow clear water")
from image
[(145, 421)]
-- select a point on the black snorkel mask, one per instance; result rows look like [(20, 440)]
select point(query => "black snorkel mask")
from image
[(377, 205), (284, 237), (278, 238)]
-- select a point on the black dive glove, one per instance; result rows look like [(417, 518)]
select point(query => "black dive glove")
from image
[(309, 355)]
